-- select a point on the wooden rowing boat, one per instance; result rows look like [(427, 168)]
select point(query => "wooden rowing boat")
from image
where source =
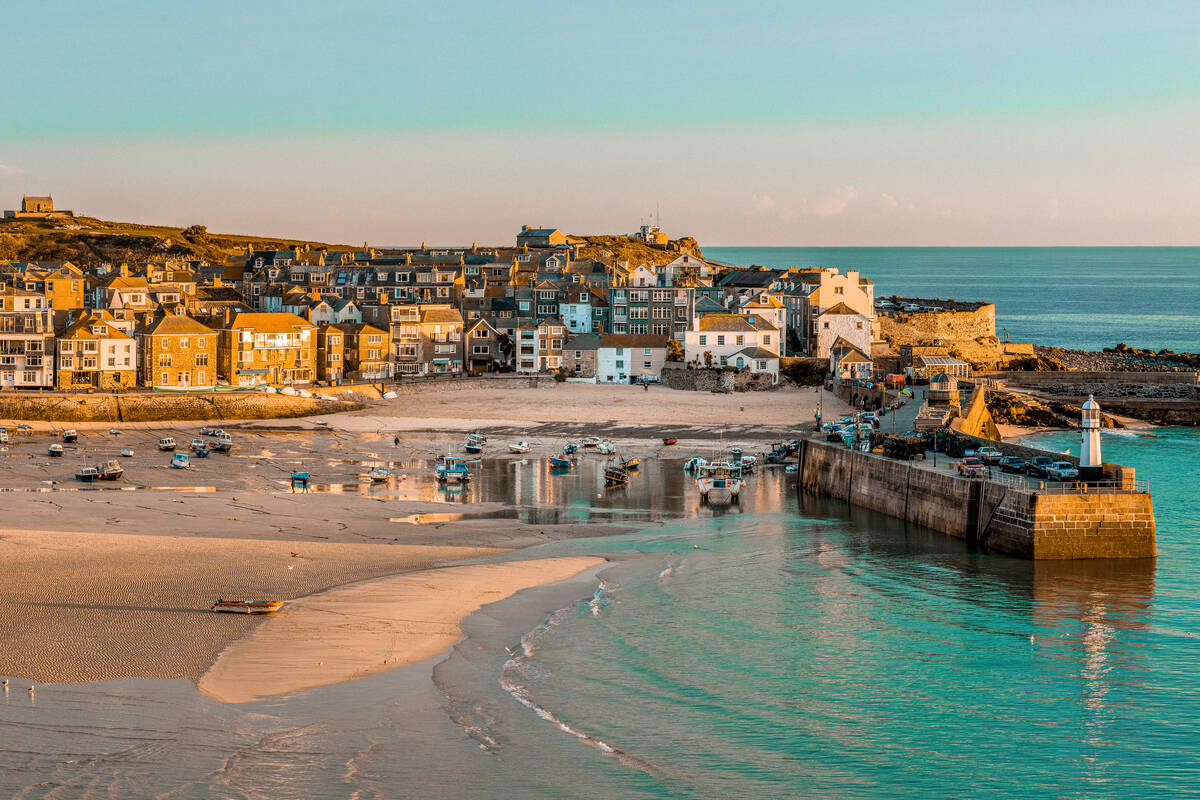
[(247, 606)]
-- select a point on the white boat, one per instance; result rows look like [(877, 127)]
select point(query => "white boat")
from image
[(379, 474), (87, 474), (166, 443), (70, 436), (719, 482), (127, 452), (519, 447), (114, 432), (606, 448), (694, 463), (197, 444), (3, 435), (55, 450), (449, 469), (181, 461), (590, 441)]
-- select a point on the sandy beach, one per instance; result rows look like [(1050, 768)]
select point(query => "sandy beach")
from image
[(115, 580), (354, 631)]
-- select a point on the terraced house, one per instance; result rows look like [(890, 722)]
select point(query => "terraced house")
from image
[(255, 348), (94, 353), (26, 339), (178, 353), (367, 351)]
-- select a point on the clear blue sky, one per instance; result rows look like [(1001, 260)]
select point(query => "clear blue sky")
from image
[(751, 123)]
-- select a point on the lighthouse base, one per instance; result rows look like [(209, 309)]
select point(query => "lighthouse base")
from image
[(1091, 474)]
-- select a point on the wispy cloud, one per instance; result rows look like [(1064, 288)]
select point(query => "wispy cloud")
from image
[(763, 203), (836, 203)]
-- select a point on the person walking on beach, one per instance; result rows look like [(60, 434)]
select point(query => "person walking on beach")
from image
[(396, 441)]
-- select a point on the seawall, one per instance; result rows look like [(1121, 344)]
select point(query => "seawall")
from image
[(20, 407), (1021, 522)]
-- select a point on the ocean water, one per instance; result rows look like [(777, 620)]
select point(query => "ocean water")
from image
[(1080, 297), (798, 648)]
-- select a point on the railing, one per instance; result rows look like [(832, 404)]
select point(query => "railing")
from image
[(1045, 486)]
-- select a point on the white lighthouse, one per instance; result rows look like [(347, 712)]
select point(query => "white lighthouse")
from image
[(1090, 463)]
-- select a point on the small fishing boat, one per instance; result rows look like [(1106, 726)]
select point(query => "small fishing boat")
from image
[(24, 429), (590, 441), (560, 462), (616, 475), (70, 436), (519, 447), (449, 469), (55, 450), (181, 461), (247, 606), (632, 463), (473, 447), (221, 444), (694, 463), (379, 474), (720, 483), (127, 452), (206, 431), (3, 435), (792, 469), (476, 436), (300, 480), (111, 471), (197, 444), (166, 443), (114, 432), (570, 448), (200, 452), (606, 448), (87, 474), (670, 440)]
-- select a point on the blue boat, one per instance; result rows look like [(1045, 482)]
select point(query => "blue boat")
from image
[(570, 448), (559, 463), (473, 447), (181, 461), (300, 480), (452, 470), (200, 452)]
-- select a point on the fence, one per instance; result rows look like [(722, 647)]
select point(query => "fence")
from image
[(1070, 487)]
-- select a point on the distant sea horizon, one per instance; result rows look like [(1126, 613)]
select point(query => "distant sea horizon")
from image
[(1077, 297)]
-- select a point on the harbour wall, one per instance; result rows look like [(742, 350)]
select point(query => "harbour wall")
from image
[(1020, 522), (155, 407)]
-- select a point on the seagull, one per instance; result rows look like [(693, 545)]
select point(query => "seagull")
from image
[(31, 689)]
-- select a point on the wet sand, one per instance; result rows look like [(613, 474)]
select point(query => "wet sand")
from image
[(355, 631)]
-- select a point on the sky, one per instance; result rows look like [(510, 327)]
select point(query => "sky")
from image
[(753, 123)]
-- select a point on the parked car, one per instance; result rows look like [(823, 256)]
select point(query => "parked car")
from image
[(989, 455), (1013, 464), (1062, 471), (1039, 466), (971, 467), (869, 416)]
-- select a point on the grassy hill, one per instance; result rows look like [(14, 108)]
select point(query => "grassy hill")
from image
[(635, 251), (86, 241)]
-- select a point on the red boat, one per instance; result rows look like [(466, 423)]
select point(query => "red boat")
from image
[(669, 441)]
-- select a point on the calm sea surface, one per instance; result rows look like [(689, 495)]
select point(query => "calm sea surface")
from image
[(797, 649), (1083, 297)]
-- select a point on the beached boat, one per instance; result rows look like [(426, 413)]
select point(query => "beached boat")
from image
[(3, 435), (720, 483), (24, 429), (560, 462), (55, 450), (70, 436), (197, 444), (379, 474), (247, 606), (449, 469), (181, 461), (590, 441), (606, 448), (166, 443), (694, 463), (200, 452), (570, 448), (207, 431), (87, 474), (113, 432), (670, 440), (127, 452), (616, 475), (300, 480), (473, 447), (111, 470), (632, 463), (519, 447), (477, 437), (792, 469), (221, 444)]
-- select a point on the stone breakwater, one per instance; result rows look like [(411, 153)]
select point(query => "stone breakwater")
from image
[(1022, 522), (19, 407)]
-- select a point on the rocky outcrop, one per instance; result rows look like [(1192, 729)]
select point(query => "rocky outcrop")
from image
[(1011, 409), (1111, 359)]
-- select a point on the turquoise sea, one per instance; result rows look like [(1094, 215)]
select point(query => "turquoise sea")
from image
[(800, 649), (1082, 297)]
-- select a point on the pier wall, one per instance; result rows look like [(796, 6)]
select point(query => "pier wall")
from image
[(1019, 522)]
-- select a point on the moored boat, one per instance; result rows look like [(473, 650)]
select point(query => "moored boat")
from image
[(379, 474), (70, 436), (590, 441), (200, 452), (570, 448), (87, 474), (560, 462), (300, 479), (197, 444), (473, 446), (55, 450), (166, 443), (247, 606), (127, 452), (719, 482), (616, 475), (221, 444), (670, 440), (606, 448), (181, 461), (449, 469), (111, 470), (694, 463), (519, 447), (632, 463)]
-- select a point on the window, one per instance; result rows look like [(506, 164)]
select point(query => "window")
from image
[(200, 342), (166, 379), (762, 366), (826, 324), (721, 339), (703, 340), (164, 359), (185, 343), (112, 362), (766, 339), (166, 342), (620, 363), (661, 329), (858, 324), (740, 340), (481, 350), (646, 365), (30, 377), (724, 360), (374, 338), (87, 363), (200, 377), (202, 359)]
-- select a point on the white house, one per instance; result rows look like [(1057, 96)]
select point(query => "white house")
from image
[(745, 342), (525, 343), (841, 322), (621, 358), (768, 307), (849, 363)]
